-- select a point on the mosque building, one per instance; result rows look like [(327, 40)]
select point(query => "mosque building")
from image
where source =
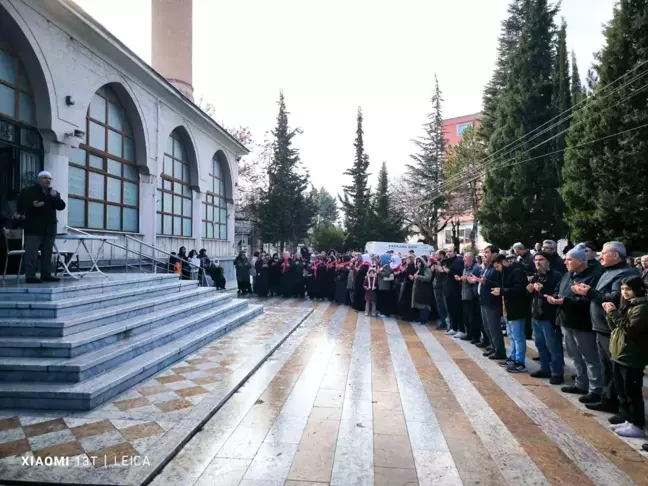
[(128, 149)]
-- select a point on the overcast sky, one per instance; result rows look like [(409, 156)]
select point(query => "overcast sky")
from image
[(331, 57)]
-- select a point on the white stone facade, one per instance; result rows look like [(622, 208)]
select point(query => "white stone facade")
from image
[(67, 54)]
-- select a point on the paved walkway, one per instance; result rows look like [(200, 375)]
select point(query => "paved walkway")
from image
[(344, 400), (360, 401)]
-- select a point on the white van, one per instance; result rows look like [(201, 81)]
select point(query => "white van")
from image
[(380, 247)]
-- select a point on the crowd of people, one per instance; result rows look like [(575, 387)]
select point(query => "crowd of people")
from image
[(591, 305)]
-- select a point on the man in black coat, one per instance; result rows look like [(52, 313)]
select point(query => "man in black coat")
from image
[(518, 307), (557, 264), (38, 205), (607, 289), (573, 315), (546, 334), (453, 266)]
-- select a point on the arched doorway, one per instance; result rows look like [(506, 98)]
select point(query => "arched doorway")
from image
[(21, 147)]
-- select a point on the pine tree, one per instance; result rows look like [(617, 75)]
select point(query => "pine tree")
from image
[(387, 225), (605, 169), (521, 199), (284, 211), (578, 92), (424, 203), (509, 38), (326, 205), (357, 198)]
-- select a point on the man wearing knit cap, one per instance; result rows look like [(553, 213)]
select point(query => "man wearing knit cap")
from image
[(608, 289), (573, 315), (38, 205)]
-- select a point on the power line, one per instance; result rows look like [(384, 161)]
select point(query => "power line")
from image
[(595, 97), (513, 162), (445, 186)]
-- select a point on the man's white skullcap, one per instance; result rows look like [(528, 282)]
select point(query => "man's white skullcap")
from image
[(44, 173)]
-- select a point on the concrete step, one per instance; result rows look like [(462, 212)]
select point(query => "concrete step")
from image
[(75, 323), (96, 390), (99, 337), (87, 365), (66, 307), (11, 290)]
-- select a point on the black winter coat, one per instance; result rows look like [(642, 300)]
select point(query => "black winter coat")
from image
[(574, 313), (608, 289), (42, 220), (516, 297), (452, 287), (540, 308)]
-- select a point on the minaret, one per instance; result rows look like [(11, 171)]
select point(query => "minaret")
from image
[(172, 42)]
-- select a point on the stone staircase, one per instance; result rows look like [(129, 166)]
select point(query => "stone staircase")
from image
[(74, 345)]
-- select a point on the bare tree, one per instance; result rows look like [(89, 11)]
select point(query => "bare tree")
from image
[(413, 203)]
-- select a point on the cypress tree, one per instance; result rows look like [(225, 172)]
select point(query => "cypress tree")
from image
[(578, 92), (562, 100), (605, 169), (521, 198), (284, 211), (387, 225), (357, 198), (508, 41)]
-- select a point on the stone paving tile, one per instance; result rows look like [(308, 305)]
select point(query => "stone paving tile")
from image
[(138, 419), (346, 400)]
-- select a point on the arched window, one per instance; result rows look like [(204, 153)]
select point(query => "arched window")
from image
[(16, 95), (103, 179), (21, 148), (174, 191), (215, 210)]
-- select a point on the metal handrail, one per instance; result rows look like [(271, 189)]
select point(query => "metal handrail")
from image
[(141, 254)]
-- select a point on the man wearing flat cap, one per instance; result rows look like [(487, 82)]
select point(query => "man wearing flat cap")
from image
[(38, 205)]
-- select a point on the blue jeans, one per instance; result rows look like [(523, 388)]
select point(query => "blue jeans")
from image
[(518, 341), (441, 307), (548, 340)]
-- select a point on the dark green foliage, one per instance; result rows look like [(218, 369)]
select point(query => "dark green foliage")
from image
[(327, 237), (508, 41), (605, 188), (284, 211), (326, 205), (356, 202), (521, 199), (387, 224), (578, 92)]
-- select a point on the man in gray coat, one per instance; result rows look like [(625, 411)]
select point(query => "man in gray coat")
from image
[(608, 289)]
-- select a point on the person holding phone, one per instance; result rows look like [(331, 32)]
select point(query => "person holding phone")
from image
[(38, 205)]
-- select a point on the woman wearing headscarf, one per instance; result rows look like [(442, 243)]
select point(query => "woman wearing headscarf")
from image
[(358, 285), (341, 278), (297, 269), (385, 277), (184, 263), (263, 276), (309, 277), (286, 280), (243, 267), (408, 270), (350, 284), (320, 277), (274, 275), (422, 290), (330, 276)]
